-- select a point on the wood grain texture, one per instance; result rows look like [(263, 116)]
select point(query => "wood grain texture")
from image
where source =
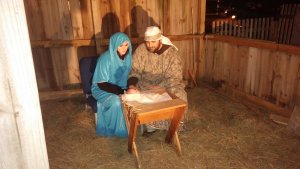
[(76, 19), (77, 23), (265, 74), (35, 22), (22, 134)]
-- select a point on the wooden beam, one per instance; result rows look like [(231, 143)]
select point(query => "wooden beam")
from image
[(273, 108), (104, 42), (263, 103), (279, 119), (256, 43), (60, 95), (61, 43), (242, 96)]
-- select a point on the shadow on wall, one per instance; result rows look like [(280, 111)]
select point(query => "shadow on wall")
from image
[(140, 20), (110, 25)]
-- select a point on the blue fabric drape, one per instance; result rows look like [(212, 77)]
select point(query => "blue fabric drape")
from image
[(110, 68)]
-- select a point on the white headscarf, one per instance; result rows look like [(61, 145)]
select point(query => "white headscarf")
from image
[(153, 33)]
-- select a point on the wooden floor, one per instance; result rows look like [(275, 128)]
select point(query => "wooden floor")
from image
[(220, 134)]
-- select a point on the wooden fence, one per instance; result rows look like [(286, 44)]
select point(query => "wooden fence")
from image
[(279, 30), (260, 71)]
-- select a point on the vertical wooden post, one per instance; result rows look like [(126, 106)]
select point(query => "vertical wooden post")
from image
[(294, 121), (202, 31), (214, 27), (97, 24), (22, 139), (243, 28)]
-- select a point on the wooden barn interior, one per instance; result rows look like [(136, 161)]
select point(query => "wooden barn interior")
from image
[(242, 85)]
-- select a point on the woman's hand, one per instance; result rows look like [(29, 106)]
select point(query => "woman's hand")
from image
[(132, 90)]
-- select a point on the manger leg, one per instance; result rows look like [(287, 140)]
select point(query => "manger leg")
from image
[(132, 133), (174, 124), (138, 163), (177, 143)]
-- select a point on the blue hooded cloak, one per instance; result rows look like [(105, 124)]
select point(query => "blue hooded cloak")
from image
[(110, 68)]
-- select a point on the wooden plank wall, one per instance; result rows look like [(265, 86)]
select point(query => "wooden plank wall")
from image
[(261, 69), (64, 21), (57, 20), (184, 21)]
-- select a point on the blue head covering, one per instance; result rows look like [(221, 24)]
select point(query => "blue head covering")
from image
[(110, 67)]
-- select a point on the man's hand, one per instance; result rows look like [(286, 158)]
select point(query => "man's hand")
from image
[(154, 87)]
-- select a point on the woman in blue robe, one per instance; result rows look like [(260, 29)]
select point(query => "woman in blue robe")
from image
[(109, 81)]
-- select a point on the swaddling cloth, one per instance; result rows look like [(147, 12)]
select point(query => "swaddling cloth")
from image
[(147, 97)]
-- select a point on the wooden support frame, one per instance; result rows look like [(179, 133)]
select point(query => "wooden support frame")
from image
[(104, 42), (145, 113), (255, 43), (60, 95)]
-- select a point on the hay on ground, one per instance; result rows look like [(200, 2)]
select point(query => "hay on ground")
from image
[(220, 133)]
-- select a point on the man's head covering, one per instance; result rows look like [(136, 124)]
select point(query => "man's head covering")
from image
[(153, 33)]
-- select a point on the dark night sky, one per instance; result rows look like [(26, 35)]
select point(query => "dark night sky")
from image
[(249, 8), (243, 9)]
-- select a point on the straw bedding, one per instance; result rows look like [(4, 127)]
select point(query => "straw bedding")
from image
[(221, 133)]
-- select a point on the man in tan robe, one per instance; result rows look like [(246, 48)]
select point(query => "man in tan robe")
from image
[(157, 63)]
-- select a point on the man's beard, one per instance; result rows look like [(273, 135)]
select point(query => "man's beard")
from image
[(154, 49)]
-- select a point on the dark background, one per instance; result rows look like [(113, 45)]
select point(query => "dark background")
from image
[(215, 9)]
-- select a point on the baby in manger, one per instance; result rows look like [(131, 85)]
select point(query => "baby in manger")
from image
[(150, 95)]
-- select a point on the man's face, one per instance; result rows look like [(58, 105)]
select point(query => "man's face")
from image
[(153, 46)]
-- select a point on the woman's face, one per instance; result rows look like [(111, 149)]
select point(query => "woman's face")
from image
[(122, 49)]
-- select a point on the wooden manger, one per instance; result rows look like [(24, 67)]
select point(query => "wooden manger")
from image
[(136, 114)]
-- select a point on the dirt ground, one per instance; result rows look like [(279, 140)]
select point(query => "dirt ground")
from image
[(221, 133)]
